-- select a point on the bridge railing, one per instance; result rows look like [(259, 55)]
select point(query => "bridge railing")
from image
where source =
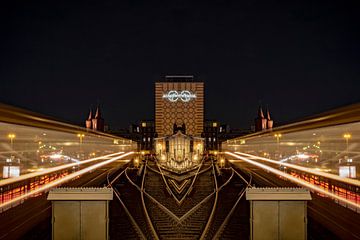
[(328, 143), (323, 150), (36, 150)]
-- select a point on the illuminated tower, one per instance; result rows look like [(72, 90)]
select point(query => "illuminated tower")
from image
[(88, 122), (270, 122), (260, 121), (98, 121), (179, 101)]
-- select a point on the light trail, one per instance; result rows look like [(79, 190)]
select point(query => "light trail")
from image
[(57, 182), (53, 169), (305, 169), (294, 179)]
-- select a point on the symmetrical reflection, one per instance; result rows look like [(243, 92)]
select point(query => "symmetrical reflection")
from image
[(179, 152)]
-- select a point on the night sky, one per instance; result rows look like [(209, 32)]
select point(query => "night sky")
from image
[(297, 57)]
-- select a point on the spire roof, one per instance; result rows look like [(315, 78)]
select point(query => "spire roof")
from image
[(90, 115), (268, 114), (260, 112), (98, 112)]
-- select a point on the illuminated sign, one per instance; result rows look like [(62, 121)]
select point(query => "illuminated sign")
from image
[(184, 96)]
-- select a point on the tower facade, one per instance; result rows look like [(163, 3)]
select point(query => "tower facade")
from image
[(269, 121), (88, 122), (262, 122), (179, 101), (98, 121)]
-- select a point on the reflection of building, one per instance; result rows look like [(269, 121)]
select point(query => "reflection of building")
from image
[(96, 122), (263, 122), (179, 100), (179, 151)]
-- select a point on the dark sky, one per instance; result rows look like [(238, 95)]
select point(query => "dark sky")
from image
[(299, 57)]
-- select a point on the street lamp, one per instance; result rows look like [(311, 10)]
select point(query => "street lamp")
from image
[(11, 136), (347, 136), (278, 136), (81, 137)]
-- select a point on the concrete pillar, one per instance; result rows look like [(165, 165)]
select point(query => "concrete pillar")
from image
[(80, 213), (278, 213)]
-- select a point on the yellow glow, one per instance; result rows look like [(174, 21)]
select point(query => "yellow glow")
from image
[(304, 169), (295, 180), (11, 136), (143, 124), (214, 124), (278, 135), (63, 180), (53, 169), (347, 136), (81, 135)]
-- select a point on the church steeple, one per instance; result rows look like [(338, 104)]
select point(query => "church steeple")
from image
[(98, 121), (260, 121), (98, 113), (270, 122), (260, 112), (88, 122)]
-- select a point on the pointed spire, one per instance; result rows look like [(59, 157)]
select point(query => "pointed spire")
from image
[(98, 113), (268, 114), (260, 112), (90, 115)]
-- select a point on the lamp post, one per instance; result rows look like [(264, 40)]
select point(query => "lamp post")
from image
[(11, 136), (278, 136), (81, 137), (347, 136)]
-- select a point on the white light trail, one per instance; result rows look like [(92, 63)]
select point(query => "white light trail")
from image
[(305, 169), (294, 179), (63, 180), (54, 169)]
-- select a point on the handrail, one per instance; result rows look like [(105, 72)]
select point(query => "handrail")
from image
[(18, 116), (345, 115)]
